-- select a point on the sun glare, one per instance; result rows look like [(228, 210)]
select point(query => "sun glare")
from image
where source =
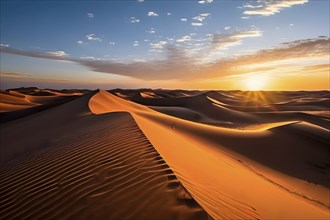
[(255, 83)]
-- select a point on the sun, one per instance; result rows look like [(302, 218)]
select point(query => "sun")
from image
[(255, 83)]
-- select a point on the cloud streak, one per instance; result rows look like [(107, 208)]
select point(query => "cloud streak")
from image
[(59, 53), (223, 41), (180, 64), (271, 7), (205, 1)]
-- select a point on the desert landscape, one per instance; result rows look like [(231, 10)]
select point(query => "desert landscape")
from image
[(165, 110), (164, 154)]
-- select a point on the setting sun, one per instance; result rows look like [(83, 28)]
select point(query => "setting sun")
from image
[(255, 83)]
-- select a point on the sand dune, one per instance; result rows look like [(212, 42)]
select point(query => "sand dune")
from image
[(11, 101), (18, 103), (236, 185), (18, 99), (159, 154), (96, 167), (204, 108)]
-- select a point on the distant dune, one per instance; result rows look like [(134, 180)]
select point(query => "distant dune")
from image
[(164, 154)]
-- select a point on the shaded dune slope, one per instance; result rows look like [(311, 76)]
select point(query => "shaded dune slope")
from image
[(198, 108), (93, 167)]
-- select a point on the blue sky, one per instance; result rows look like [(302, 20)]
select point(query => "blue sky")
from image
[(101, 43)]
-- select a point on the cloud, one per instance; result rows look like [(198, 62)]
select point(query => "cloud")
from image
[(47, 55), (152, 14), (245, 17), (80, 42), (112, 43), (252, 6), (168, 13), (136, 43), (179, 63), (135, 20), (4, 45), (205, 1), (59, 53), (318, 68), (201, 17), (196, 24), (93, 37), (14, 74), (151, 31), (183, 19), (185, 38), (90, 15), (308, 49), (140, 1), (224, 41), (158, 45), (88, 57), (227, 28), (271, 7)]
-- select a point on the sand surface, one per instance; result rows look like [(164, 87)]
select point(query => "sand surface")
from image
[(123, 154), (74, 164)]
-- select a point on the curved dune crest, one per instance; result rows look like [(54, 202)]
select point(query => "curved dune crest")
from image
[(209, 164)]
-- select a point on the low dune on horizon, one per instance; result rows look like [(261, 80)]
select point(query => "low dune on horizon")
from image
[(164, 154)]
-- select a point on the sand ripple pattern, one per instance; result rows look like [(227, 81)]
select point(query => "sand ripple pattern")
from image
[(112, 173)]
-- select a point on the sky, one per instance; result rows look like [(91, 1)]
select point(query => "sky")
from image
[(191, 44)]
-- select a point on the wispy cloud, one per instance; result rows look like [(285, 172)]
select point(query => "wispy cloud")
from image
[(252, 6), (180, 64), (183, 19), (158, 45), (14, 74), (185, 38), (152, 14), (270, 7), (140, 1), (201, 17), (112, 43), (46, 55), (151, 31), (227, 28), (205, 1), (59, 53), (90, 15), (318, 68), (80, 42), (93, 37), (135, 20), (136, 43), (223, 41), (196, 24)]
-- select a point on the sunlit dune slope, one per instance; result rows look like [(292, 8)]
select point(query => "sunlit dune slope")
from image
[(11, 101), (238, 174), (66, 162), (23, 98)]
